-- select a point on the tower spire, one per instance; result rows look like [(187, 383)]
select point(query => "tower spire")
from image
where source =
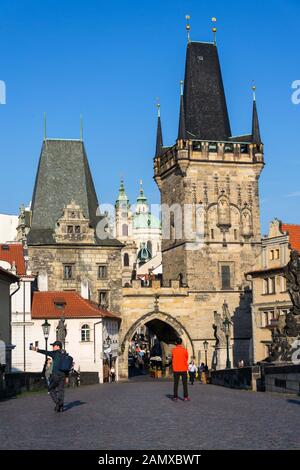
[(181, 128), (159, 137), (255, 122), (214, 29)]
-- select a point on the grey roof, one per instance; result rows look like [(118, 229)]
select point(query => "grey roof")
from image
[(181, 127), (159, 138), (255, 125), (205, 108), (63, 176)]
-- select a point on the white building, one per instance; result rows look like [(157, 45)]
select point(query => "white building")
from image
[(140, 231), (92, 333), (7, 279), (8, 228)]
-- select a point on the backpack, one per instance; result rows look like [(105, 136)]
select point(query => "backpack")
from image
[(65, 363)]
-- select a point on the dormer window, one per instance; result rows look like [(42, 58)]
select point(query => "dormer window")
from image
[(244, 148), (197, 146), (228, 148), (59, 304), (5, 247)]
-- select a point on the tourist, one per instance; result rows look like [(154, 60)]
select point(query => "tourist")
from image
[(112, 374), (202, 372), (192, 372), (57, 378), (180, 366)]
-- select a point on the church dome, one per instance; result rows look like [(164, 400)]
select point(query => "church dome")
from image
[(144, 255)]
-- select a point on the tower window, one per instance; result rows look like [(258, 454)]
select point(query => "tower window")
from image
[(68, 271), (213, 147), (102, 271), (70, 229), (225, 277), (212, 234), (103, 298), (126, 259), (228, 148), (149, 246), (125, 230), (77, 228), (235, 234)]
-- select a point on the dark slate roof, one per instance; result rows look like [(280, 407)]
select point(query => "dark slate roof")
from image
[(206, 116), (159, 138), (181, 127), (242, 138), (255, 125), (63, 176)]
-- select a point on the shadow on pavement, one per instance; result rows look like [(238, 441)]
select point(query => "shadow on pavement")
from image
[(72, 404), (295, 402)]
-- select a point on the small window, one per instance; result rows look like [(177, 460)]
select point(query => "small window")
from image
[(36, 344), (68, 271), (272, 289), (235, 234), (70, 229), (212, 234), (102, 272), (149, 246), (103, 299), (197, 146), (77, 228), (5, 247), (266, 286), (244, 148), (85, 333), (213, 147), (228, 148), (225, 274), (126, 259), (125, 230), (277, 254)]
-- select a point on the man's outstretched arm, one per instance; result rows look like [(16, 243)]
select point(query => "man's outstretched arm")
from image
[(43, 351)]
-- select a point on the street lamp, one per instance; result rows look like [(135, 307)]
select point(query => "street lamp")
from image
[(46, 330), (205, 345), (226, 324)]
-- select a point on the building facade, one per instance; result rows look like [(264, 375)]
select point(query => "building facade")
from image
[(271, 300)]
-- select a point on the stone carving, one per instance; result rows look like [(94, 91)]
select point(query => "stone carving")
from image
[(286, 329), (61, 331), (223, 212), (246, 222)]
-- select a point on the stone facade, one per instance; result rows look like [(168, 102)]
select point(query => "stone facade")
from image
[(50, 261)]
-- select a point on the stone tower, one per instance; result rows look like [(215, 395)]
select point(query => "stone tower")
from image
[(66, 244), (210, 168)]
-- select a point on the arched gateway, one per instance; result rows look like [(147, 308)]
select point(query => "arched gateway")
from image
[(165, 327)]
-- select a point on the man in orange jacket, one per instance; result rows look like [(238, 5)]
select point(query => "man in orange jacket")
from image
[(180, 366)]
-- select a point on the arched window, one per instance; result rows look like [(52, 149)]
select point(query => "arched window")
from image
[(85, 333), (126, 259), (149, 246), (125, 230)]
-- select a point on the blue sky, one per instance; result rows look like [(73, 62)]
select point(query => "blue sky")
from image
[(111, 60)]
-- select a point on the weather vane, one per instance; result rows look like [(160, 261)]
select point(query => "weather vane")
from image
[(188, 27), (214, 29), (181, 87)]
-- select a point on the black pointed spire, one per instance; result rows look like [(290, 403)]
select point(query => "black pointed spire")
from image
[(181, 127), (159, 137), (255, 122)]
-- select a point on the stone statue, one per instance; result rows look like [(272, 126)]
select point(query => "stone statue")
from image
[(61, 331), (246, 223), (292, 274), (219, 331), (223, 212)]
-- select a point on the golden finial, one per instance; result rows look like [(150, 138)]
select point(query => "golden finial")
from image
[(188, 27), (254, 91), (181, 87), (214, 29)]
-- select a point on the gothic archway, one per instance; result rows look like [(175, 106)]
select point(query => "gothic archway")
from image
[(152, 318)]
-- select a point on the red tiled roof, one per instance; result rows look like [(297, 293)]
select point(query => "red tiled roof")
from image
[(294, 235), (74, 306), (13, 253)]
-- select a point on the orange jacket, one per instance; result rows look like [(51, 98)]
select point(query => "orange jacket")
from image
[(180, 359)]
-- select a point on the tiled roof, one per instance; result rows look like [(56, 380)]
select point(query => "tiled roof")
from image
[(44, 305), (294, 235), (13, 253)]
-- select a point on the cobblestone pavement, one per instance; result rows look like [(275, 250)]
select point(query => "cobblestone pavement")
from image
[(140, 415)]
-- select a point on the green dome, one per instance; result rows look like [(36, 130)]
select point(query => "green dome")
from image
[(145, 220), (144, 255)]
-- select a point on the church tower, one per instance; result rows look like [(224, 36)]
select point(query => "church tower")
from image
[(209, 168)]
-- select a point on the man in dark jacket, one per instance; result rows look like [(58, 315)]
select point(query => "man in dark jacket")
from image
[(57, 378)]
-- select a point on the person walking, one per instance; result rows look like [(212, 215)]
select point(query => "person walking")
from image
[(202, 372), (112, 374), (192, 372), (180, 366), (57, 378)]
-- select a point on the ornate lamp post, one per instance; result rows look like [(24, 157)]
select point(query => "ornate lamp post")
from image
[(226, 324), (205, 345), (46, 330)]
